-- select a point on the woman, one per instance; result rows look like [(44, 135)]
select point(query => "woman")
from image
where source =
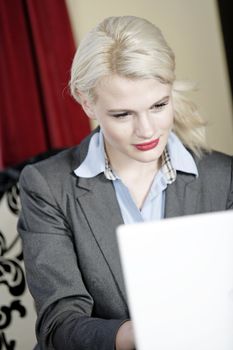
[(148, 160)]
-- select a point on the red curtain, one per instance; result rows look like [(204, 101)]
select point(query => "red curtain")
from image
[(36, 50)]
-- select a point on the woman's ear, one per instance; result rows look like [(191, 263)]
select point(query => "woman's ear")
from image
[(87, 105)]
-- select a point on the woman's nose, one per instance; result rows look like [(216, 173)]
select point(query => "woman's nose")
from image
[(144, 127)]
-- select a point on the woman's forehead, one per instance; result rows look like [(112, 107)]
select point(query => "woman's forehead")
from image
[(121, 88)]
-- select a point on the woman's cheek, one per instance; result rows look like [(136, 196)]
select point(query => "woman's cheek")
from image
[(167, 121)]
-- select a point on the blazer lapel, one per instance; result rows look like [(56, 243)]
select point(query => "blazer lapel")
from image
[(103, 215), (182, 196)]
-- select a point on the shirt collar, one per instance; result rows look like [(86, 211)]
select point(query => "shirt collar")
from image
[(94, 163), (181, 158), (175, 158)]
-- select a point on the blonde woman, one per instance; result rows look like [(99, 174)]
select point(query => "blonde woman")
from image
[(147, 160)]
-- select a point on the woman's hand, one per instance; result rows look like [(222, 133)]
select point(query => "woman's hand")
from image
[(125, 337)]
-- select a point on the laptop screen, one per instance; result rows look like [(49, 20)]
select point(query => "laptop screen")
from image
[(179, 280)]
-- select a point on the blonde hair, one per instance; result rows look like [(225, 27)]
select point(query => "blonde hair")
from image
[(134, 48)]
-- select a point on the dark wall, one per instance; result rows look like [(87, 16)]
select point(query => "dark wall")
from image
[(225, 10)]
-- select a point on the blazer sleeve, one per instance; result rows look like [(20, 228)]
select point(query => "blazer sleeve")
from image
[(63, 304)]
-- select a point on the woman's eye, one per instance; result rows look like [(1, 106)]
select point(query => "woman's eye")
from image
[(159, 106), (121, 115)]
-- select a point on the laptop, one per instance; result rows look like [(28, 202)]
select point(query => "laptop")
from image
[(179, 280)]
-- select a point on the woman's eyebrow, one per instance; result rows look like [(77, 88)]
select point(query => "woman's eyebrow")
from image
[(120, 110)]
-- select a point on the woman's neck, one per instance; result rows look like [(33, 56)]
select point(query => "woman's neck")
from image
[(138, 178)]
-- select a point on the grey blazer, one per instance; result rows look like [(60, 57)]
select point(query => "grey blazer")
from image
[(71, 256)]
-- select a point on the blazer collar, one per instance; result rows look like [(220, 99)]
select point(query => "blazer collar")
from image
[(182, 196)]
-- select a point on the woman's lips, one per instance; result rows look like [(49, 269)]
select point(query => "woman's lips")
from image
[(146, 146)]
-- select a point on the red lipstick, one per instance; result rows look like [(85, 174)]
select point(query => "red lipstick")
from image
[(147, 145)]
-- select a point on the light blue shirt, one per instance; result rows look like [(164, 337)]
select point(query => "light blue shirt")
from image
[(154, 204)]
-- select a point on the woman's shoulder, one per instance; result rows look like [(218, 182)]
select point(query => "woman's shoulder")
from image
[(214, 158), (214, 165), (60, 165)]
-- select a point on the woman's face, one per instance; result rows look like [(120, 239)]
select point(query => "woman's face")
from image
[(135, 116)]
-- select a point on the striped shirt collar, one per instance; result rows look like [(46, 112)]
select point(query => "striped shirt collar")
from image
[(174, 158)]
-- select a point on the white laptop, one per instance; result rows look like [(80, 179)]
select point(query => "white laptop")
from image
[(179, 280)]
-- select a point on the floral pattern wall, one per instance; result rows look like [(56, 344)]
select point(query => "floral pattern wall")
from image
[(17, 313)]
